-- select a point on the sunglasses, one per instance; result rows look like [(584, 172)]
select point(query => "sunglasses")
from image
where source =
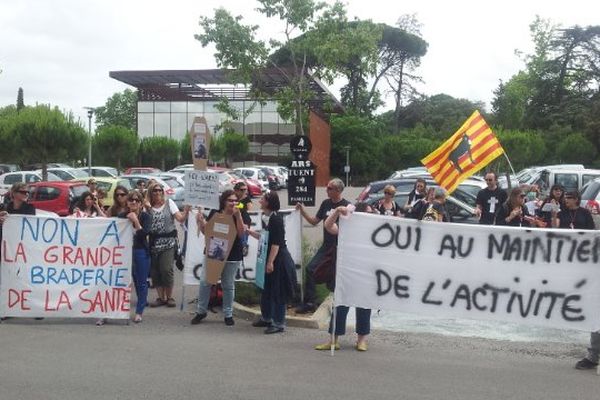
[(157, 190), (390, 193), (522, 195), (232, 200), (134, 200), (23, 191), (569, 198), (330, 188), (489, 180), (120, 194)]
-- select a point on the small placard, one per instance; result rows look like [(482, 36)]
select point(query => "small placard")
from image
[(202, 189)]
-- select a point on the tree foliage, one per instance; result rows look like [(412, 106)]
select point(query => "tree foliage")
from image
[(575, 148), (159, 150), (42, 134), (120, 109), (229, 147), (115, 145)]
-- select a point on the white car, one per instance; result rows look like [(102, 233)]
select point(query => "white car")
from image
[(68, 174), (102, 172), (8, 179), (256, 174)]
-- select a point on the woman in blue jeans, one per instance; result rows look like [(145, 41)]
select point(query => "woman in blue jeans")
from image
[(227, 205), (280, 270), (141, 222), (363, 315)]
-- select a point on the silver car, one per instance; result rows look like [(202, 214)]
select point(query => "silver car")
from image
[(173, 189)]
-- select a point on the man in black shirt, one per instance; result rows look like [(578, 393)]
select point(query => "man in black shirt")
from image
[(489, 200), (244, 204), (335, 187)]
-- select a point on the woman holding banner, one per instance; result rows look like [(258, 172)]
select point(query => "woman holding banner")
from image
[(280, 274), (141, 222), (363, 315), (227, 205)]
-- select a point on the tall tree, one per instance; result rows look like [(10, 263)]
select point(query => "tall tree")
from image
[(44, 134), (114, 144), (120, 109), (159, 151), (312, 37), (20, 102)]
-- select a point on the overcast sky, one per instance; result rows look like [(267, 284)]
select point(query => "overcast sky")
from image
[(60, 51)]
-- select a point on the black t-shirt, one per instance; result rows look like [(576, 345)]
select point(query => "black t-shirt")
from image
[(490, 202), (276, 230), (504, 212), (580, 218), (140, 237), (326, 206), (25, 209), (236, 253), (414, 196), (388, 211)]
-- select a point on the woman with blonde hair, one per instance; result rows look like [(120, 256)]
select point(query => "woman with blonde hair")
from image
[(387, 205)]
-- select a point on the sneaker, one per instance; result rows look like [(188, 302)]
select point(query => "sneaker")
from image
[(198, 318), (100, 322), (273, 329), (158, 303), (305, 308), (584, 363), (171, 302), (229, 321), (261, 324)]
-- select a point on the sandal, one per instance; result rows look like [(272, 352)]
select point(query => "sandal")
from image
[(137, 319), (171, 302), (158, 303)]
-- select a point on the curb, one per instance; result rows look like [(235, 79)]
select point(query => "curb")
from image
[(318, 320)]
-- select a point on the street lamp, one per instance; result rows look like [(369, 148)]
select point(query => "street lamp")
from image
[(347, 166), (90, 115)]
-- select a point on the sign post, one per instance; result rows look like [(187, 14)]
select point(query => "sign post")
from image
[(301, 173)]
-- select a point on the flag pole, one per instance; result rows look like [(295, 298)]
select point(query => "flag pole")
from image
[(509, 163)]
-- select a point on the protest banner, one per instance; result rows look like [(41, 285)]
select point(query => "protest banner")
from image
[(261, 259), (194, 256), (201, 189), (66, 267), (529, 276)]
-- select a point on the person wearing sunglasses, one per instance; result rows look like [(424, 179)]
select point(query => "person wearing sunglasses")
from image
[(555, 201), (163, 242), (387, 205), (141, 222), (119, 201), (88, 207), (17, 205), (572, 216), (513, 212), (227, 206), (489, 200), (335, 187)]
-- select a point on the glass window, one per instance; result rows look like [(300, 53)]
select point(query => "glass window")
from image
[(46, 193), (269, 106), (287, 129), (179, 126), (178, 106), (162, 124), (195, 107), (32, 178), (145, 125), (587, 178), (591, 191), (10, 179), (145, 106), (162, 106), (209, 107), (568, 181)]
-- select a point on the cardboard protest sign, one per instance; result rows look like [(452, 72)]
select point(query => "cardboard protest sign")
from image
[(220, 233), (66, 267), (543, 277), (194, 256), (261, 259), (200, 142), (202, 189)]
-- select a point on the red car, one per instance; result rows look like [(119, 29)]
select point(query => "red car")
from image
[(55, 196), (141, 170), (254, 189)]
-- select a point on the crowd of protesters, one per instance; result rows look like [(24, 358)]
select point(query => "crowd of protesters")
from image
[(154, 219)]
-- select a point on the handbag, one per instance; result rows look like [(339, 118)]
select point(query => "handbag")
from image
[(325, 270)]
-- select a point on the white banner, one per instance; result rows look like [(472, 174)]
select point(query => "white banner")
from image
[(66, 267), (201, 189), (531, 276), (194, 255)]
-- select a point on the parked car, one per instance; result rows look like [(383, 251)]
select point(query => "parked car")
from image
[(7, 180), (281, 180), (36, 166), (254, 187), (68, 174), (410, 173), (256, 174), (173, 189), (108, 185), (57, 197), (141, 170), (4, 168), (182, 168), (570, 179), (102, 172)]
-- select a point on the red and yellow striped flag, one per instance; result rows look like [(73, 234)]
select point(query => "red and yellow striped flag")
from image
[(471, 148)]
